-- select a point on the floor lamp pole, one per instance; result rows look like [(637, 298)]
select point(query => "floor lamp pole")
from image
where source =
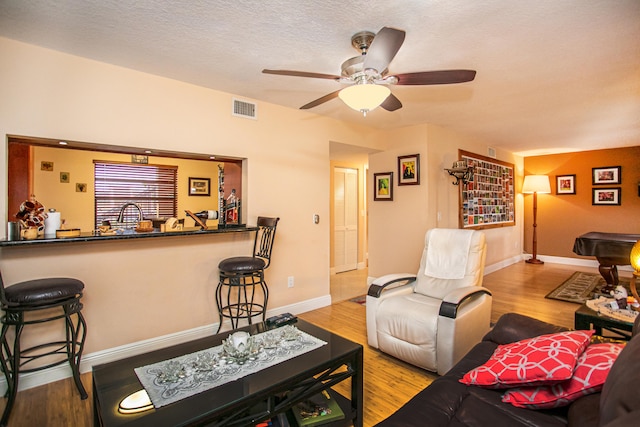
[(534, 259)]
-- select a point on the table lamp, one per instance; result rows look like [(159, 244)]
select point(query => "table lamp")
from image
[(535, 184), (635, 263)]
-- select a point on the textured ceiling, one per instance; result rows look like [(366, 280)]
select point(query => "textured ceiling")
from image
[(552, 75)]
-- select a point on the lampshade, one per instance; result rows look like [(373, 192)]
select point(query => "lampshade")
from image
[(364, 97), (536, 184), (635, 257)]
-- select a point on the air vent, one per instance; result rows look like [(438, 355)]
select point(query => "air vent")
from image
[(245, 109)]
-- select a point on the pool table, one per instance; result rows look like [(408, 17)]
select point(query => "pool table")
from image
[(610, 249)]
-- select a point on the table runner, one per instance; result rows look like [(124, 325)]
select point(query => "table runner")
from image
[(275, 348)]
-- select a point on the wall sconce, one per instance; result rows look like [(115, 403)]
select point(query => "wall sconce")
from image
[(461, 171)]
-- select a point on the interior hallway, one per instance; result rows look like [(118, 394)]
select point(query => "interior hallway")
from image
[(349, 284)]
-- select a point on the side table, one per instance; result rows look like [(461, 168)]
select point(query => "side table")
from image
[(586, 318)]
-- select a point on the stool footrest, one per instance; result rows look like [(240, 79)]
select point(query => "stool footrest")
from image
[(15, 361)]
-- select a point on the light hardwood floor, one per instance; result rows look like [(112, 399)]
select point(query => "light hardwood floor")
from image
[(388, 382)]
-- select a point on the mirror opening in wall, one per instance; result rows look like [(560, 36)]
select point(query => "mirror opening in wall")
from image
[(89, 185)]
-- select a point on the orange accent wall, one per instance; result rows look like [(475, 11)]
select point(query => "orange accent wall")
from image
[(562, 218)]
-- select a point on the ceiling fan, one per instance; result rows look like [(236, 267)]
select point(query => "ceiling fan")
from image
[(368, 76)]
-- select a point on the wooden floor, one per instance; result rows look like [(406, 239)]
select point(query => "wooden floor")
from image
[(388, 382)]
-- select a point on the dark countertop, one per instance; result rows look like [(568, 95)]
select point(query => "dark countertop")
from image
[(127, 235)]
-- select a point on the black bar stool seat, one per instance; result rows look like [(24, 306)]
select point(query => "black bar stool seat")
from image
[(42, 291), (241, 264), (242, 278), (42, 296)]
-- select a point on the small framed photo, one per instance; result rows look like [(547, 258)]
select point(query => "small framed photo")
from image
[(606, 196), (46, 166), (383, 186), (606, 175), (409, 170), (565, 184), (136, 158), (199, 186), (65, 178), (81, 187)]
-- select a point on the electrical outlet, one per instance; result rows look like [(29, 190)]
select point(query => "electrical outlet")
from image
[(290, 281)]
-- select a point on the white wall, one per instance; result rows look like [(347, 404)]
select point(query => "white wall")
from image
[(144, 289), (397, 242), (140, 290)]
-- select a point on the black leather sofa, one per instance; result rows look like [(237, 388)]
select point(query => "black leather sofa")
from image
[(447, 402)]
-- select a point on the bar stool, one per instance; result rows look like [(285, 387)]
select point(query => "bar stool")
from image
[(53, 299), (241, 278)]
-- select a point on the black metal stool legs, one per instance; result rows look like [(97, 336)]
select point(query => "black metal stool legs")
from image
[(241, 304), (13, 358), (75, 348), (10, 366)]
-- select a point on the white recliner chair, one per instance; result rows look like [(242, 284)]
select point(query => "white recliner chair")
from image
[(433, 318)]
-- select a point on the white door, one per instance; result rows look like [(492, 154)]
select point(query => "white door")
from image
[(346, 219)]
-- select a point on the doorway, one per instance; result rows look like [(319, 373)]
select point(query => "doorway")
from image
[(345, 215)]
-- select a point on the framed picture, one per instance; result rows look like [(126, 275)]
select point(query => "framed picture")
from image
[(383, 186), (199, 186), (64, 177), (606, 175), (606, 196), (487, 200), (46, 166), (565, 184), (409, 170)]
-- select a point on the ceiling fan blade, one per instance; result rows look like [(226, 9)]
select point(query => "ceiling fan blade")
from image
[(383, 48), (301, 74), (322, 100), (391, 103), (442, 77)]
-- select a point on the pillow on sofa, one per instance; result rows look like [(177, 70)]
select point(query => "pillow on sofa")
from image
[(541, 360), (589, 376)]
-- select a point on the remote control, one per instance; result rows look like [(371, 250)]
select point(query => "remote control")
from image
[(281, 320)]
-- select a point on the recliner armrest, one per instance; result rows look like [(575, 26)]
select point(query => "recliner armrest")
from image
[(382, 282), (451, 302)]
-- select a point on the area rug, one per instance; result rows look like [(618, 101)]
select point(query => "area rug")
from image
[(581, 287), (362, 300)]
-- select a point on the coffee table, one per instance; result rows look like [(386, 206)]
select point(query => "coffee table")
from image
[(586, 318), (247, 401)]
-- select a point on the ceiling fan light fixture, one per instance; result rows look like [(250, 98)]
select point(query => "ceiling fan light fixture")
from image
[(364, 97)]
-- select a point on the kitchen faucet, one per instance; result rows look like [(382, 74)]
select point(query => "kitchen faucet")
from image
[(124, 207)]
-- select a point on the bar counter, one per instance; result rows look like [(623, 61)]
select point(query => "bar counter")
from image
[(127, 234)]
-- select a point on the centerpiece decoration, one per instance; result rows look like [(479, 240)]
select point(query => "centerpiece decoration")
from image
[(239, 355), (240, 347)]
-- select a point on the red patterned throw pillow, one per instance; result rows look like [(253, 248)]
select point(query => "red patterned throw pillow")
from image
[(541, 360), (589, 376)]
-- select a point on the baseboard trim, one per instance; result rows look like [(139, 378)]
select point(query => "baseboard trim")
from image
[(35, 379), (502, 264), (575, 261), (61, 372)]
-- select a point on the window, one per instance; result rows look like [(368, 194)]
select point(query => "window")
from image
[(152, 187)]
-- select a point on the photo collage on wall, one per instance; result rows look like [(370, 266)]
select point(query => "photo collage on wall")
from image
[(488, 199)]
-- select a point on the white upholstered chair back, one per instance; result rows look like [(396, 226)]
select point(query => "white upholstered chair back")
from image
[(437, 287)]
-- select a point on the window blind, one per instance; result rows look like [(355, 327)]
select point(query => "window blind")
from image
[(152, 187)]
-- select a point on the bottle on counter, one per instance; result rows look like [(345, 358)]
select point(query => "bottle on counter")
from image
[(231, 208)]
